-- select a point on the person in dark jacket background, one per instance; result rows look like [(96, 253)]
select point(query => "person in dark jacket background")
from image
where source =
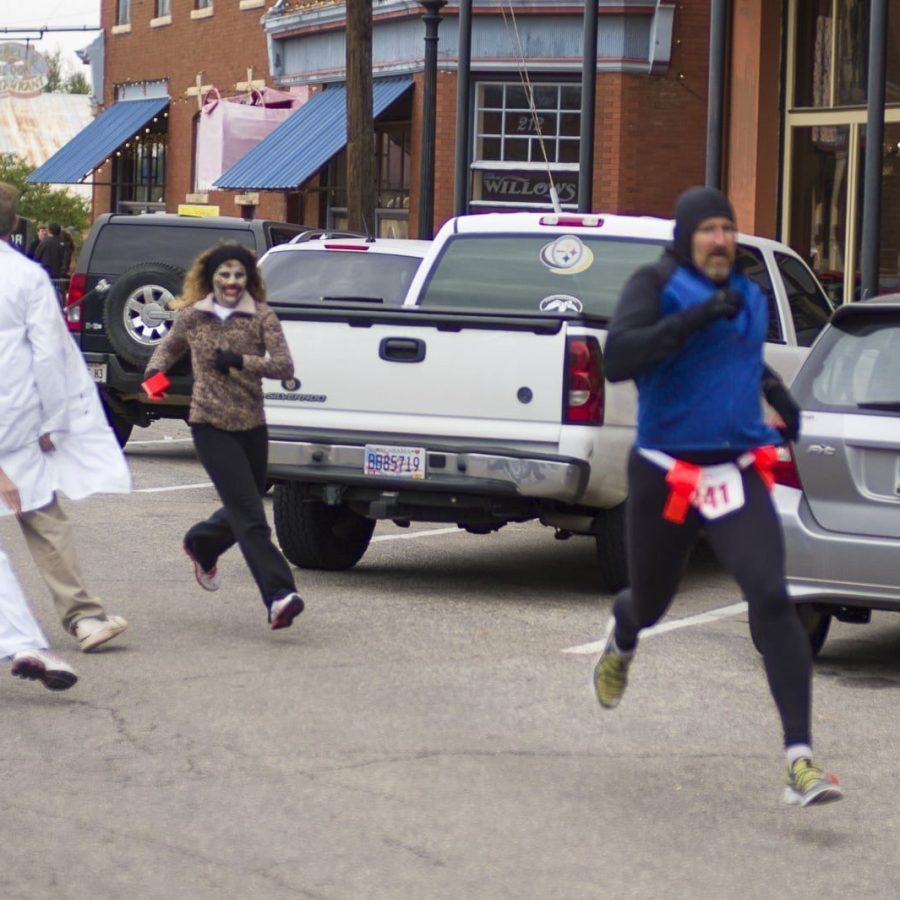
[(51, 252), (690, 331), (35, 241)]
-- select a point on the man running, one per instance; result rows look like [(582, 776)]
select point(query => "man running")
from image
[(690, 331)]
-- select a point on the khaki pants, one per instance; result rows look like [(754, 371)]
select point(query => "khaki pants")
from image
[(51, 543)]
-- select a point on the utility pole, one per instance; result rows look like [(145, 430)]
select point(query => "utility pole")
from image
[(432, 18), (361, 186)]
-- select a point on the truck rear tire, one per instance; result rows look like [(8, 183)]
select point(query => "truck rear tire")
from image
[(314, 535), (612, 554)]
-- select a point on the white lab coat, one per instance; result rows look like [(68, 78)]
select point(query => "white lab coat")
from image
[(18, 628), (46, 388)]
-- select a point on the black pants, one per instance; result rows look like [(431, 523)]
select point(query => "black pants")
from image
[(236, 463), (749, 543)]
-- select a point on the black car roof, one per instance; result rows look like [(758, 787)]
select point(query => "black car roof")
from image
[(235, 222)]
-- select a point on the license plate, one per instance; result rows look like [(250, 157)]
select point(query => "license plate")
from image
[(98, 372), (395, 462)]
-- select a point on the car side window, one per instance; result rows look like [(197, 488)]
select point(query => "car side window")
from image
[(750, 262), (809, 307)]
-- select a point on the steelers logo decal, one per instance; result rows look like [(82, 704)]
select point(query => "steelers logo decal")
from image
[(567, 255), (561, 303)]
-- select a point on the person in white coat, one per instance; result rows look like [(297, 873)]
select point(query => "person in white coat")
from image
[(53, 433)]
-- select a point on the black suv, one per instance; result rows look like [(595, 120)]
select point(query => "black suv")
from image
[(128, 270)]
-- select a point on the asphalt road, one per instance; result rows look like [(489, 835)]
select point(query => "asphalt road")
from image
[(426, 729)]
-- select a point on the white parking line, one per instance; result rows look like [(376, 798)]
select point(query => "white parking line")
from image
[(712, 615), (416, 534), (165, 440), (174, 487)]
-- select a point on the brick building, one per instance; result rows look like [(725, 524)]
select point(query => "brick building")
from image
[(794, 123)]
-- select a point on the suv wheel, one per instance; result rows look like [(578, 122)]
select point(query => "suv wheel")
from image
[(136, 314)]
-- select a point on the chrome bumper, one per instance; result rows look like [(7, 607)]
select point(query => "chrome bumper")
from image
[(557, 479)]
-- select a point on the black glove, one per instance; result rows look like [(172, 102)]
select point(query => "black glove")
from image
[(725, 302), (780, 399), (226, 359)]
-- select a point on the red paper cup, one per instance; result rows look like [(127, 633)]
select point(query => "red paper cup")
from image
[(156, 385)]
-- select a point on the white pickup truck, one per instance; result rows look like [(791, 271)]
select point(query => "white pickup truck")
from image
[(482, 400)]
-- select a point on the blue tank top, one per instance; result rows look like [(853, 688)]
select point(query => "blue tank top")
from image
[(707, 396)]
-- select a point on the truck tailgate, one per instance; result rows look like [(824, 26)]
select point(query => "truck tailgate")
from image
[(489, 378)]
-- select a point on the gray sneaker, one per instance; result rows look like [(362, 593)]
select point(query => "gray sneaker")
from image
[(93, 631), (42, 665)]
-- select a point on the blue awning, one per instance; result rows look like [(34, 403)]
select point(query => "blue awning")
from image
[(305, 141), (75, 161)]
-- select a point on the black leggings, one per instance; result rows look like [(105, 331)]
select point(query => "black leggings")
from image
[(750, 545), (236, 463)]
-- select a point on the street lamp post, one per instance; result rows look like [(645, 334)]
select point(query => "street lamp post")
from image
[(432, 18)]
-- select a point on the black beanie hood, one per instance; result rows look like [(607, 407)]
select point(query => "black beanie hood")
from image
[(222, 253), (691, 208)]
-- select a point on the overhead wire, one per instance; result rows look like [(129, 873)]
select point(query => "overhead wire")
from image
[(525, 78)]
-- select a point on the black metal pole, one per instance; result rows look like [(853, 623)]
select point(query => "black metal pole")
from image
[(432, 19), (718, 20), (463, 110), (870, 262), (588, 95)]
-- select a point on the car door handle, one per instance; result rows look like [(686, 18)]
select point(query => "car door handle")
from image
[(403, 350)]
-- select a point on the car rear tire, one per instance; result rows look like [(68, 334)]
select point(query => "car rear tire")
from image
[(314, 535), (612, 552), (815, 621), (133, 306)]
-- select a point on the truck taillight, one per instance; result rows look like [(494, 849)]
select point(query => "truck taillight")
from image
[(73, 301), (584, 391), (785, 469)]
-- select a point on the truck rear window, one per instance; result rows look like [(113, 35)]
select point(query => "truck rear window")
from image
[(297, 276), (532, 273)]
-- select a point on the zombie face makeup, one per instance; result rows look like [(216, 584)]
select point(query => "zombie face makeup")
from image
[(229, 282)]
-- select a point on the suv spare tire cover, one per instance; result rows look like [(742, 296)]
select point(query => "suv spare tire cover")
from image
[(135, 314)]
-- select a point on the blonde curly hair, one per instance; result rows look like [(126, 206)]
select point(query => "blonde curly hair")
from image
[(198, 280)]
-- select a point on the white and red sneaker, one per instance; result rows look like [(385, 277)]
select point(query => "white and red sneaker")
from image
[(284, 610), (42, 665), (208, 579)]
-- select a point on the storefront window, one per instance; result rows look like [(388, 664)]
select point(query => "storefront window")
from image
[(819, 201), (825, 143), (520, 150), (392, 178), (812, 59), (139, 172)]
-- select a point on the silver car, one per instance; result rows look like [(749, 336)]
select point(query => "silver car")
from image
[(838, 488)]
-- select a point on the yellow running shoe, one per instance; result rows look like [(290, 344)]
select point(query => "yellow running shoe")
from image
[(807, 783), (611, 671)]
